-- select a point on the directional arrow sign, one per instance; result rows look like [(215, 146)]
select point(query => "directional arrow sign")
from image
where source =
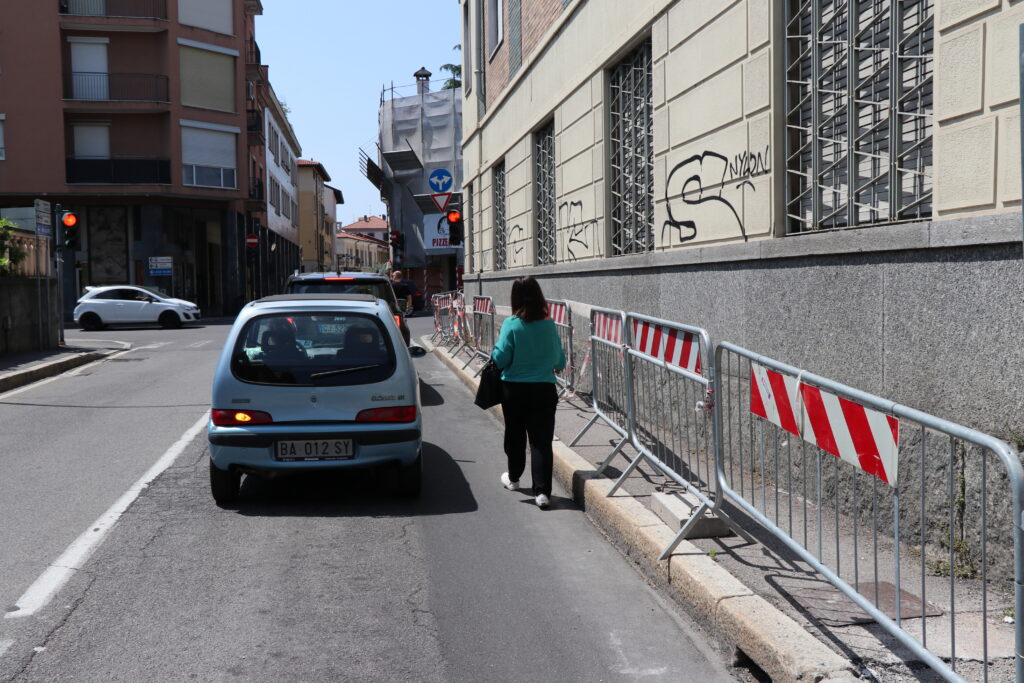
[(441, 200)]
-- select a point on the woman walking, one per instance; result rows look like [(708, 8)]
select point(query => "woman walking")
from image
[(529, 352)]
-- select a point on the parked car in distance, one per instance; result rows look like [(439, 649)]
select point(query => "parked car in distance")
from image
[(311, 382), (350, 283), (131, 305)]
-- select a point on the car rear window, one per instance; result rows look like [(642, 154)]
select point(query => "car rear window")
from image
[(377, 288), (313, 349)]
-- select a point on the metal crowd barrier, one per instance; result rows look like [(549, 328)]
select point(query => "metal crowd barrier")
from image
[(444, 327), (561, 314), (815, 462), (670, 379), (461, 334), (609, 391), (483, 329)]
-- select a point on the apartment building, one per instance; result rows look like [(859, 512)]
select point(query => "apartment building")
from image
[(840, 190), (131, 113), (317, 207), (360, 252)]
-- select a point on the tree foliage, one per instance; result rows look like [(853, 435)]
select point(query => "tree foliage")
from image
[(11, 253), (454, 79)]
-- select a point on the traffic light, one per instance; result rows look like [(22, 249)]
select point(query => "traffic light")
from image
[(397, 241), (69, 228), (455, 229)]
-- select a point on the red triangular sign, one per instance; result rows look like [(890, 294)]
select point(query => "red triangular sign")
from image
[(441, 200)]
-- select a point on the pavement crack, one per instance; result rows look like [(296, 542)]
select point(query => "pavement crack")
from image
[(53, 632)]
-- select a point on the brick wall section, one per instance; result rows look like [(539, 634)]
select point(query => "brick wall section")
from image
[(538, 16), (496, 71)]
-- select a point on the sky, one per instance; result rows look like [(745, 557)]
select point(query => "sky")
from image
[(327, 62)]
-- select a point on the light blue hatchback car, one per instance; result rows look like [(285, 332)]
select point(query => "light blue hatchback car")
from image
[(313, 382)]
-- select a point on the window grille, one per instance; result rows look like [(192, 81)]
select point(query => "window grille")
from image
[(500, 237), (858, 112), (544, 193), (631, 119)]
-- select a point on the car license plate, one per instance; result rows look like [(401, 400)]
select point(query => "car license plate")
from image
[(319, 449)]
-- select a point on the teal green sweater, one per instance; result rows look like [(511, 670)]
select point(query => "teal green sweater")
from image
[(528, 352)]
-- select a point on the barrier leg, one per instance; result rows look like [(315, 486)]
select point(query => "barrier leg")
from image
[(604, 463), (628, 471), (584, 430), (468, 362)]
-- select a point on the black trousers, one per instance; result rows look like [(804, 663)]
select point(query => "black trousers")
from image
[(529, 409)]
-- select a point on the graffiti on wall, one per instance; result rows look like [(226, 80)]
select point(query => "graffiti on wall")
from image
[(577, 234), (516, 238), (707, 187)]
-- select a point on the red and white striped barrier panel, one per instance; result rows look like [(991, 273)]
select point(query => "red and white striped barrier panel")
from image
[(865, 438), (607, 327), (675, 347), (483, 304), (558, 312)]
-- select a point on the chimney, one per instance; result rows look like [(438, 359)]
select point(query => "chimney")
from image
[(422, 80)]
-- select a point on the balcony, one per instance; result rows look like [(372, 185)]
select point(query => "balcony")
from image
[(147, 9), (254, 69), (255, 200), (254, 126), (83, 85), (119, 170)]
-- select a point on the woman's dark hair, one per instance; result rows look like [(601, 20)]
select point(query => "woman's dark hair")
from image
[(528, 302)]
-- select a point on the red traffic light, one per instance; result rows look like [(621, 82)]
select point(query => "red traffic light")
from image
[(454, 216), (69, 219)]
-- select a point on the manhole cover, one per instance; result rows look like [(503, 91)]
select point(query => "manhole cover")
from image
[(829, 606)]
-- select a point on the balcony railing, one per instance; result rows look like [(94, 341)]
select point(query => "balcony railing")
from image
[(119, 170), (252, 52), (256, 189), (85, 85), (148, 9), (253, 121)]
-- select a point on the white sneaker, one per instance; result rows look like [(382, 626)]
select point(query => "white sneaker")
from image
[(542, 501), (508, 483)]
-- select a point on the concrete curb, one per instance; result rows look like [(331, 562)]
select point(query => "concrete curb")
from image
[(19, 378), (741, 621)]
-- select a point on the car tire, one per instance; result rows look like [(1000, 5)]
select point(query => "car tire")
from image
[(169, 319), (90, 322), (410, 478), (224, 485)]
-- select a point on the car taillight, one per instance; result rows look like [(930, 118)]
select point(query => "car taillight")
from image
[(339, 279), (390, 414), (398, 321), (232, 418)]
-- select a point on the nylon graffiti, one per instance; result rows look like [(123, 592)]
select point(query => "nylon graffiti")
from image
[(707, 179), (581, 232)]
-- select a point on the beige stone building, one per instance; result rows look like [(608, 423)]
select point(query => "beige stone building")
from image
[(837, 190), (317, 207)]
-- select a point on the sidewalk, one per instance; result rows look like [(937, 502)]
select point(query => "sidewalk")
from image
[(19, 369), (746, 625)]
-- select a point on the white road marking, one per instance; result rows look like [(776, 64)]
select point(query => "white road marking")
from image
[(74, 557), (154, 345), (70, 373), (196, 345)]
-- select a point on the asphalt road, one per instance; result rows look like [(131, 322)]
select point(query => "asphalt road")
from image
[(317, 578)]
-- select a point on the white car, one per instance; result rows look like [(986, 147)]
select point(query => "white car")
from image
[(131, 305)]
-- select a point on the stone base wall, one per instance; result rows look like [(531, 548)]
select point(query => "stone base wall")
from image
[(20, 302)]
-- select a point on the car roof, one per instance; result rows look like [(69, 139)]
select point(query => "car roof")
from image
[(312, 298), (320, 276)]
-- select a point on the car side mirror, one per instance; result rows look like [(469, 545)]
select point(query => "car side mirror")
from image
[(417, 351)]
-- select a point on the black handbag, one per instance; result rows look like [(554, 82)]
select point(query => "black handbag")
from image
[(488, 392)]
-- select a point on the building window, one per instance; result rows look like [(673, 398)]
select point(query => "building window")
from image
[(858, 113), (631, 152), (468, 245), (545, 218), (207, 77), (500, 237), (208, 155), (3, 118), (495, 25)]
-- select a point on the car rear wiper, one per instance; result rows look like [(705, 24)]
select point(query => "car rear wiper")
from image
[(342, 371)]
